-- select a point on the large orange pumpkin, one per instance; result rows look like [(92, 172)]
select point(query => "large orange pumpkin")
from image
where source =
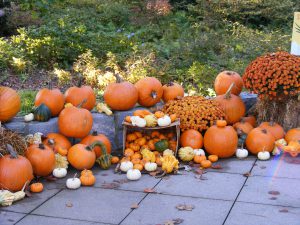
[(172, 91), (59, 140), (259, 139), (250, 119), (42, 159), (221, 140), (225, 79), (90, 139), (10, 103), (243, 126), (150, 91), (53, 99), (293, 135), (232, 105), (15, 171), (121, 95), (191, 138), (274, 128), (81, 94), (75, 122), (83, 156)]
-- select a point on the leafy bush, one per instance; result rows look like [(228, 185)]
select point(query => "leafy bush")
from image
[(27, 101)]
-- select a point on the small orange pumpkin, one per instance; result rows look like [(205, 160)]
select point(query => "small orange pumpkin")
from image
[(199, 158), (205, 164), (36, 187), (173, 117), (213, 158), (172, 91), (115, 159), (293, 135), (128, 152), (128, 119), (159, 114), (139, 167), (87, 179), (141, 113)]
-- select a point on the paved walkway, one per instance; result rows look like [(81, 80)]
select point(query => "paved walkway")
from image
[(242, 192)]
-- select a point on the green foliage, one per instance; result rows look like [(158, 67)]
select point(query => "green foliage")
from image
[(27, 101), (190, 44)]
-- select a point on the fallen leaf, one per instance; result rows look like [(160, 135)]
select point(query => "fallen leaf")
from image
[(187, 168), (263, 167), (217, 167), (51, 178), (248, 174), (155, 173), (110, 185), (169, 222), (273, 198), (104, 175), (174, 221), (274, 192), (199, 171), (284, 210), (185, 207), (134, 206), (200, 177), (149, 190), (121, 181), (69, 204)]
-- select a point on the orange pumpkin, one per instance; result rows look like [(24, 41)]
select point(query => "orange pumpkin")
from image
[(36, 187), (75, 122), (150, 91), (138, 134), (10, 103), (15, 171), (131, 137), (274, 128), (82, 156), (191, 138), (293, 135), (121, 95), (42, 159), (136, 155), (128, 152), (221, 141), (158, 161), (139, 167), (250, 119), (232, 105), (199, 158), (213, 158), (225, 79), (52, 98), (159, 114), (128, 119), (87, 179), (172, 91), (141, 113), (115, 159), (260, 139), (155, 134), (205, 164), (135, 147), (90, 139), (135, 160), (81, 94), (58, 140), (243, 126)]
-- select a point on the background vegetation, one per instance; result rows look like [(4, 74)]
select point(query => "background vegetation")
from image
[(188, 41)]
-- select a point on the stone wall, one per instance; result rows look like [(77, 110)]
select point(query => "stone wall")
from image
[(111, 126)]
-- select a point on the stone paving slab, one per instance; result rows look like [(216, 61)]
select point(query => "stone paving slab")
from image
[(157, 209), (9, 218), (108, 176), (42, 220), (235, 165), (28, 204), (256, 214), (256, 190), (283, 166), (91, 204), (223, 186)]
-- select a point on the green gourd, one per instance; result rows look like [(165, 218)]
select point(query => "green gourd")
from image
[(105, 159), (42, 113), (161, 145)]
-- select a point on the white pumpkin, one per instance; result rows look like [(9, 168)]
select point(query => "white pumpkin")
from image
[(59, 172), (73, 183), (241, 153), (125, 166), (168, 152), (164, 121), (150, 166), (133, 174), (29, 117), (138, 121), (199, 152), (264, 155)]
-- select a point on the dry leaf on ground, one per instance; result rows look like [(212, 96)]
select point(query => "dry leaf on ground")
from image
[(185, 207), (217, 167), (274, 192), (149, 190), (174, 221), (134, 206), (110, 185), (248, 174), (284, 210), (69, 204)]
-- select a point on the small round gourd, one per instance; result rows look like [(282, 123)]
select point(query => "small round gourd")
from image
[(241, 153), (150, 167), (73, 183), (59, 172), (125, 166), (133, 174), (263, 155)]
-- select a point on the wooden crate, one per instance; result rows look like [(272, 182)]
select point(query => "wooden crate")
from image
[(175, 126)]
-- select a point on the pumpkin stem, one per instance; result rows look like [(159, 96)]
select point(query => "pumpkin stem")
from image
[(154, 94), (228, 92), (81, 103), (118, 78), (42, 146), (12, 152), (171, 83), (51, 141), (264, 131), (80, 81), (94, 133), (99, 144), (49, 84)]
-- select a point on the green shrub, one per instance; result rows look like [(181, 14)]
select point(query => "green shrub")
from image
[(27, 101)]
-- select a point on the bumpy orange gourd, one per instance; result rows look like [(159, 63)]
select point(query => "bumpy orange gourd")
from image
[(225, 79), (87, 179), (259, 139), (274, 128), (10, 103), (90, 139), (15, 171), (150, 91), (75, 122), (191, 138), (172, 91), (293, 135), (77, 95), (232, 105), (42, 159), (52, 98), (221, 141), (243, 126), (58, 141), (121, 95)]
